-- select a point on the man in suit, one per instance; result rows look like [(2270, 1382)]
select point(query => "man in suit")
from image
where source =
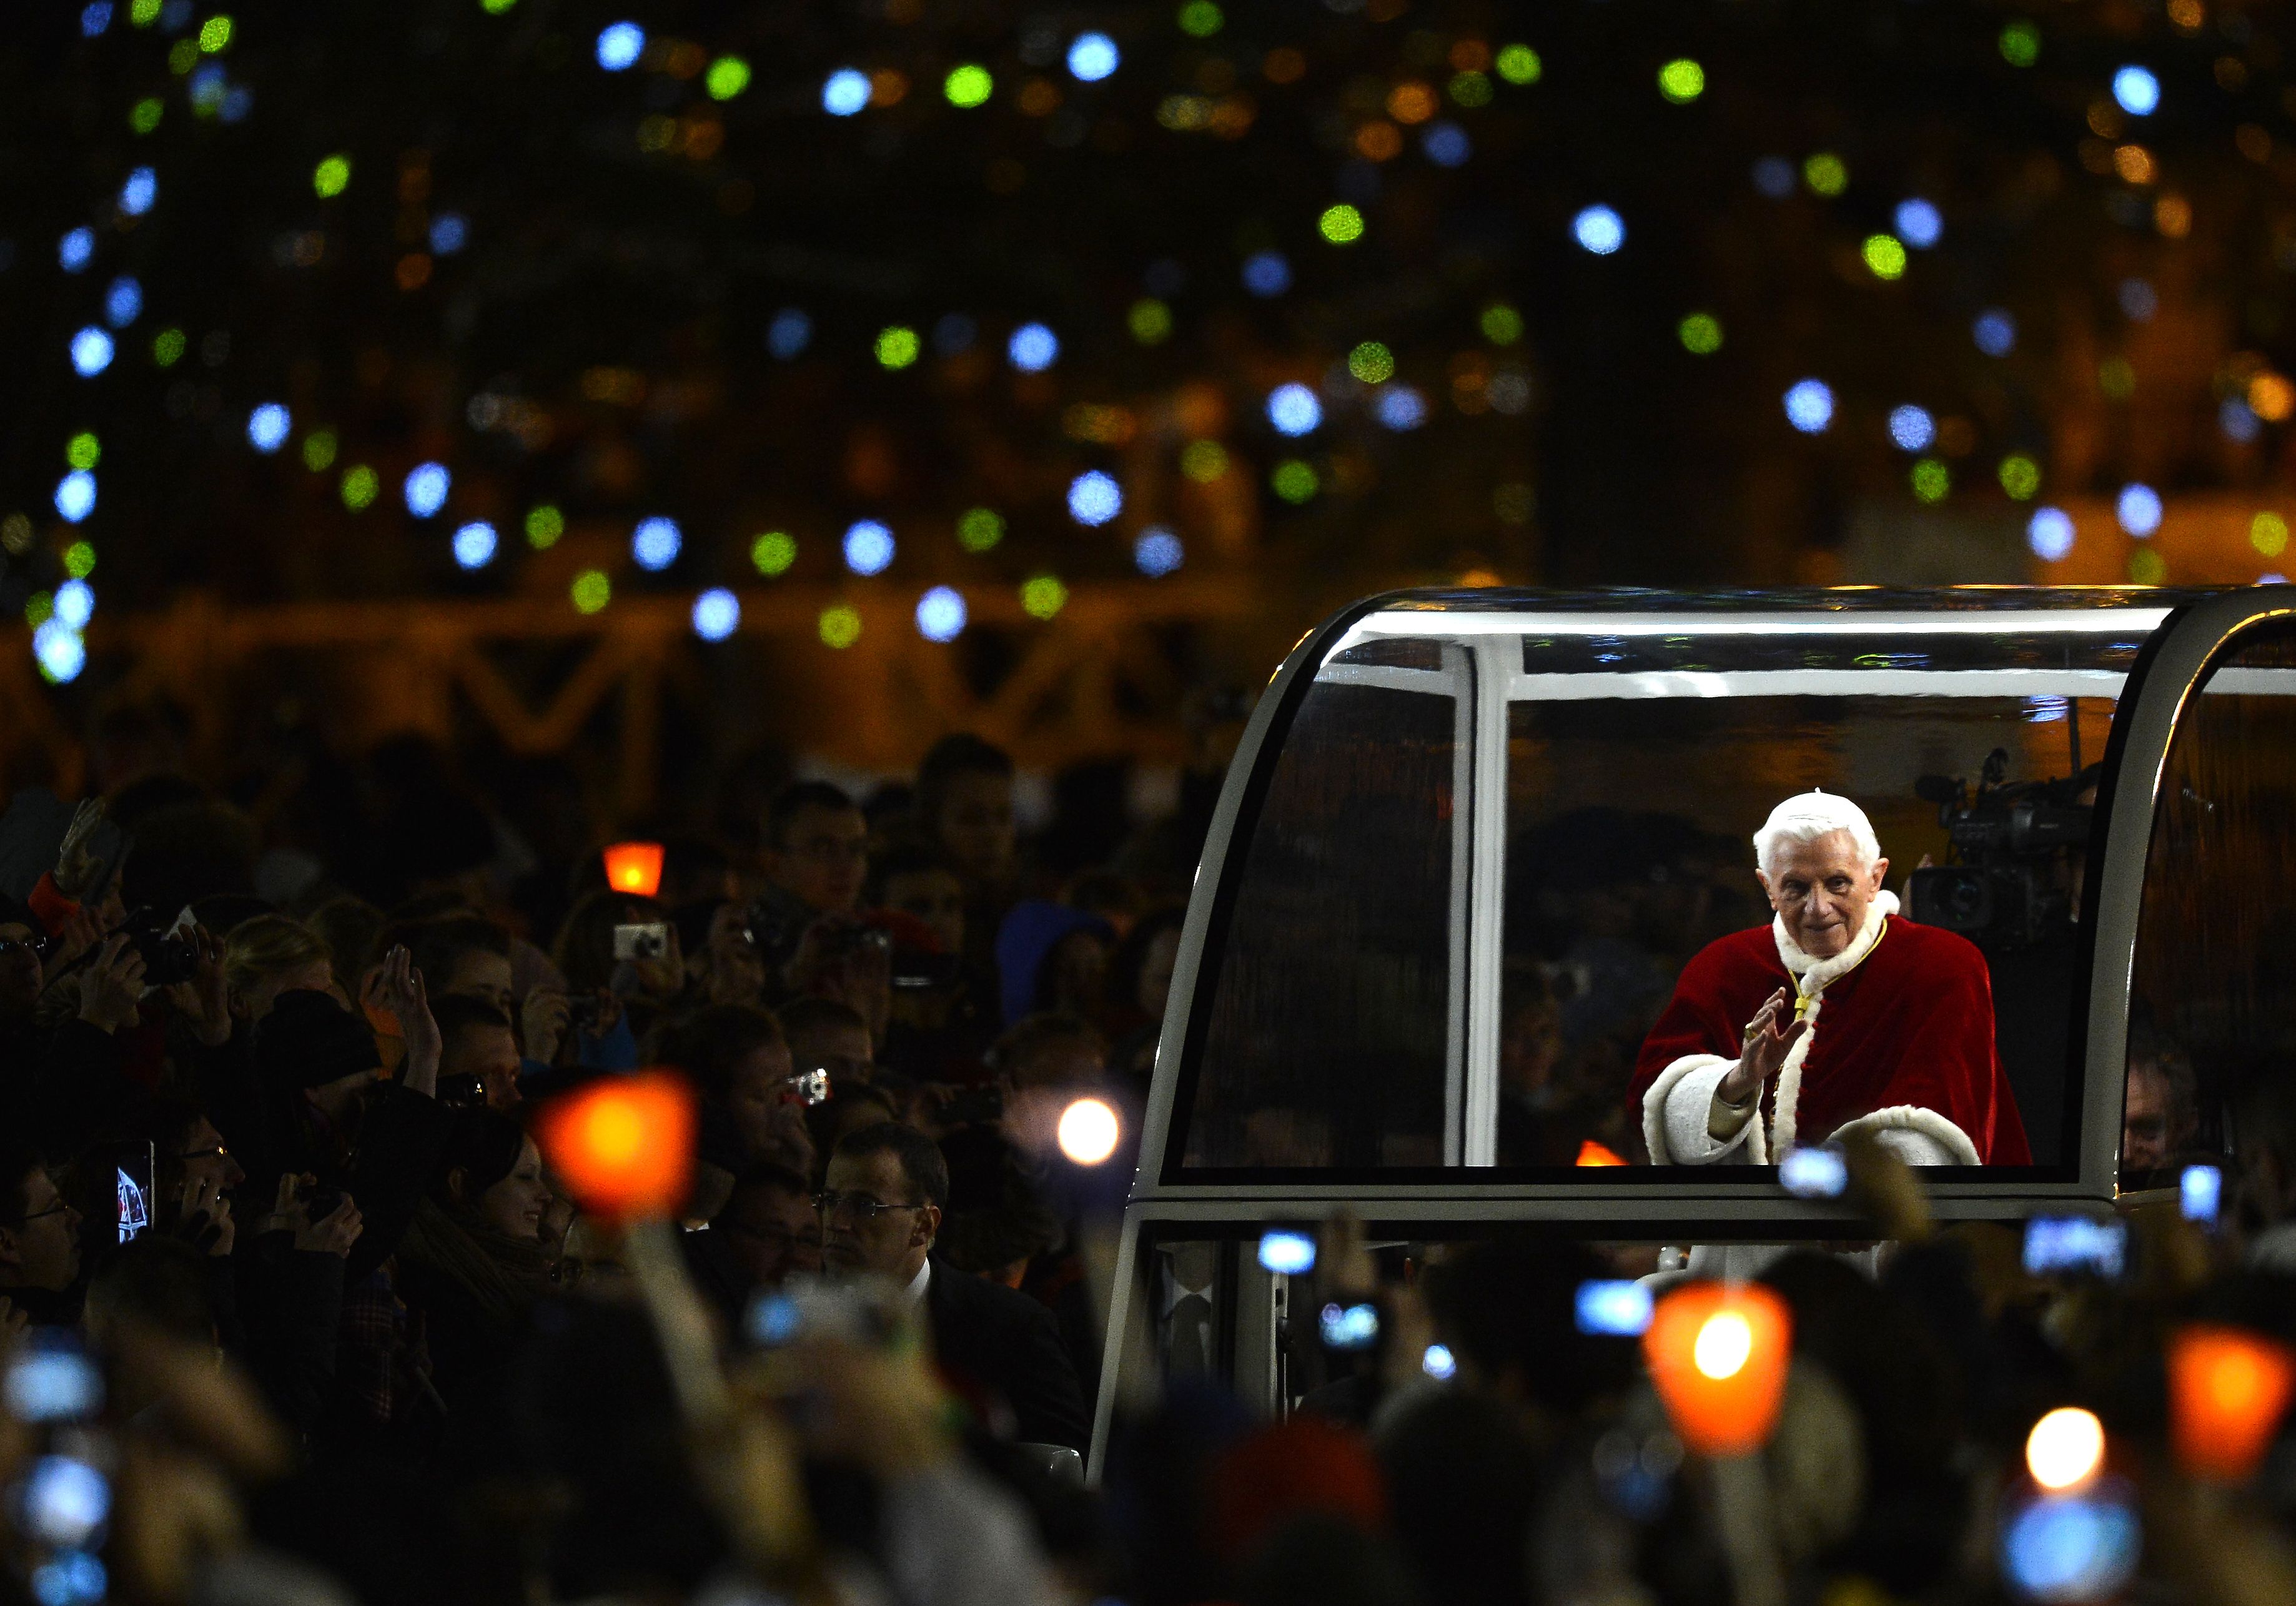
[(881, 1211)]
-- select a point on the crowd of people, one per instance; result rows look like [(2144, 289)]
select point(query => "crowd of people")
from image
[(271, 1185)]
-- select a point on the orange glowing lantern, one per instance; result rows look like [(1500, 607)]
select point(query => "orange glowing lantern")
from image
[(624, 1146), (2226, 1389), (635, 867), (1591, 1153), (1718, 1356)]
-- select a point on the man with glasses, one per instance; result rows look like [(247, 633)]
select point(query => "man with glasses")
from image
[(39, 1238), (880, 1213), (767, 1231)]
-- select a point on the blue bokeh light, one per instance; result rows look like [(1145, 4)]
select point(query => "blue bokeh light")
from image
[(868, 547), (846, 93), (654, 544), (1447, 144), (267, 427), (1093, 57), (1267, 274), (941, 614), (1095, 498), (1600, 230), (1809, 407), (2137, 91), (1399, 406), (1995, 333), (91, 351), (60, 652), (123, 301), (619, 45), (1033, 349), (717, 614), (450, 231), (140, 190), (426, 487), (1287, 1252), (789, 333), (1294, 410), (1911, 428), (1920, 224), (2238, 419), (76, 495), (475, 544), (953, 332), (94, 18), (2070, 1548), (1438, 1363), (2139, 301), (74, 603), (2050, 533), (1774, 176), (75, 250), (2138, 509), (1158, 551)]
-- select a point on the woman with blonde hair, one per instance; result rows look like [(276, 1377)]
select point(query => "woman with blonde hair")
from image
[(272, 954)]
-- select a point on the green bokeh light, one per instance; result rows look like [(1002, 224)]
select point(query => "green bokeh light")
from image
[(1293, 481), (83, 450), (1826, 173), (1931, 479), (331, 177), (168, 348), (1372, 362), (772, 552), (728, 76), (1502, 325), (968, 85), (591, 591), (543, 525), (144, 116), (319, 451), (2020, 43), (2021, 477), (80, 559), (1150, 320), (215, 35), (980, 529), (360, 487), (1701, 334), (1200, 19), (1885, 254), (1042, 595), (1682, 80), (896, 346), (1341, 224), (1518, 64)]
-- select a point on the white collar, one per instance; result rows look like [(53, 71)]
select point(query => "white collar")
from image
[(914, 1296), (1811, 974)]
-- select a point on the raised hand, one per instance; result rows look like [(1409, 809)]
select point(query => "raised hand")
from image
[(398, 987), (545, 1015), (205, 1001), (113, 985), (333, 1234), (1763, 1052), (76, 860)]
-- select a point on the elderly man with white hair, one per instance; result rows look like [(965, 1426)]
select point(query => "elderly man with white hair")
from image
[(1839, 1016)]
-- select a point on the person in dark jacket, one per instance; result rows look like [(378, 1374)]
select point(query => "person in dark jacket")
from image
[(881, 1213)]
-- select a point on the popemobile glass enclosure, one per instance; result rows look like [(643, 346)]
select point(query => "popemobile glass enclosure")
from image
[(1471, 837)]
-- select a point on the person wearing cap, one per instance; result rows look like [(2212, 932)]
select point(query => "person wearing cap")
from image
[(1840, 1016)]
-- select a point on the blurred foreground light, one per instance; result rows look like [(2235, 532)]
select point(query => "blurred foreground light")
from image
[(2138, 509), (76, 249), (1438, 1363), (619, 45), (1287, 1253), (74, 605), (1809, 407), (1911, 428), (1033, 349), (846, 92), (1095, 498), (2065, 1449), (1267, 274), (2137, 91), (475, 544), (1591, 1153), (1093, 57), (1089, 1131), (2050, 534), (1400, 407), (1157, 553), (623, 1146), (1599, 229), (2227, 1388), (426, 487), (141, 189), (635, 867), (1995, 333), (1294, 410), (59, 650), (1920, 224), (1718, 1355), (941, 614), (76, 495), (2070, 1548), (2200, 1188), (654, 544), (717, 614), (868, 547), (91, 351), (267, 428)]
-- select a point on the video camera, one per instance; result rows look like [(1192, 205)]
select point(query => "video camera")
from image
[(2008, 889)]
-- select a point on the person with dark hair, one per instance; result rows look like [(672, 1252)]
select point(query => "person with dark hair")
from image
[(472, 1260), (881, 1215), (39, 1236), (816, 847), (737, 1058), (964, 806), (922, 881), (1049, 956), (478, 1052), (824, 1034), (628, 992), (460, 956), (766, 1232)]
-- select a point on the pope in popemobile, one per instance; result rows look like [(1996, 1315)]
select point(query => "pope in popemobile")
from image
[(1841, 1016)]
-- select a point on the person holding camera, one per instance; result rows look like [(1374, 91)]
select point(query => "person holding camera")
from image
[(1741, 1068)]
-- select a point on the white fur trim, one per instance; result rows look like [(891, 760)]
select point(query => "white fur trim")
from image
[(1916, 1118), (1812, 976), (1654, 1122)]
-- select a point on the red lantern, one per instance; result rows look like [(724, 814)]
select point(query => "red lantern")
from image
[(1591, 1153), (1718, 1356), (2226, 1389), (635, 867), (624, 1146)]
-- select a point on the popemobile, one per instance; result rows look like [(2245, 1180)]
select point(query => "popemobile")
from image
[(1618, 913)]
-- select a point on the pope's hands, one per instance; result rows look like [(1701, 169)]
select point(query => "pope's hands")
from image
[(1763, 1052)]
